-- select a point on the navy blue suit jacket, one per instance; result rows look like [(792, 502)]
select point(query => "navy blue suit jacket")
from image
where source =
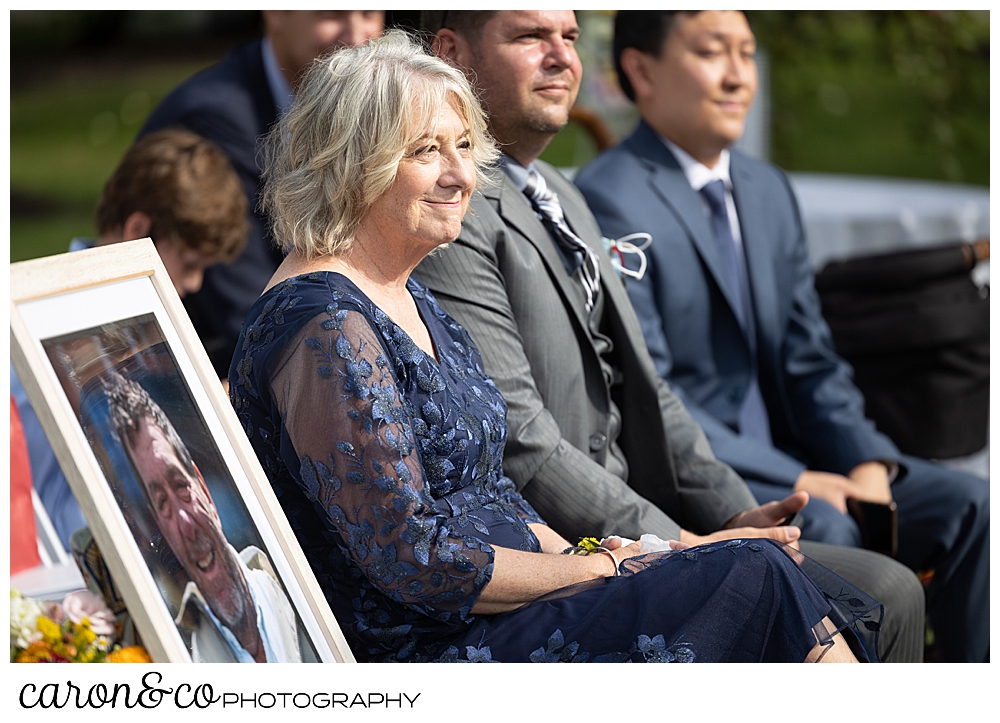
[(816, 413), (231, 104)]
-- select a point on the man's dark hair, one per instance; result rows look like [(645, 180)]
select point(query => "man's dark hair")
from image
[(467, 23), (129, 404), (644, 30)]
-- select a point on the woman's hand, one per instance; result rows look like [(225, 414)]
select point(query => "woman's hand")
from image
[(520, 577), (620, 551)]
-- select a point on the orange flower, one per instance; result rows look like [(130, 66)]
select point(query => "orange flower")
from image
[(130, 654), (40, 652)]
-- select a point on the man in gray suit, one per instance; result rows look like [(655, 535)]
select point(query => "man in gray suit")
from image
[(597, 442)]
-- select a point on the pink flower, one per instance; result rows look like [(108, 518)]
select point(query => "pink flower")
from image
[(54, 612), (85, 604)]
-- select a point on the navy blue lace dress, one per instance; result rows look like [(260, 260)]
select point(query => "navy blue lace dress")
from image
[(387, 463)]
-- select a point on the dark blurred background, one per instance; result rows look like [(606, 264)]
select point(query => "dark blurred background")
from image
[(887, 93)]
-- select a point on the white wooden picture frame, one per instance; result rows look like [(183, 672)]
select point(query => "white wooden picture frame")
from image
[(75, 320)]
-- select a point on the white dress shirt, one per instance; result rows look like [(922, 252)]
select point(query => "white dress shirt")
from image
[(699, 175)]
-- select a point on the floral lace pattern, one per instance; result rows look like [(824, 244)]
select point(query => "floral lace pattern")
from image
[(378, 448), (388, 465)]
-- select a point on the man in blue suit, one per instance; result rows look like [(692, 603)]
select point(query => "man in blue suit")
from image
[(234, 103), (733, 322)]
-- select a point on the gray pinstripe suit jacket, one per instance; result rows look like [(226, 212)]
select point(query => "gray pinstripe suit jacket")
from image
[(504, 280)]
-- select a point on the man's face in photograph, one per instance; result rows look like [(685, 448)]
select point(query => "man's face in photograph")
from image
[(189, 522)]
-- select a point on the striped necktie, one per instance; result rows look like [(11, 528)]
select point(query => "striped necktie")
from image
[(583, 262)]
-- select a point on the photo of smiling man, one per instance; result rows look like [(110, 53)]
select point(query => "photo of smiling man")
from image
[(233, 606)]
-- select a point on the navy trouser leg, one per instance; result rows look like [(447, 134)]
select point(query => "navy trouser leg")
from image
[(821, 521), (944, 526)]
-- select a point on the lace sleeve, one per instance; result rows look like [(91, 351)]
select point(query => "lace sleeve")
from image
[(358, 464), (507, 491)]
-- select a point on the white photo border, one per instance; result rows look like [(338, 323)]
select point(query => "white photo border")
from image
[(59, 295)]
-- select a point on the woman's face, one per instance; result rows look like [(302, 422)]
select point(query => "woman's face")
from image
[(425, 204)]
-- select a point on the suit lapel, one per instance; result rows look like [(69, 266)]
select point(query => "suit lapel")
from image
[(513, 207), (672, 186), (750, 205)]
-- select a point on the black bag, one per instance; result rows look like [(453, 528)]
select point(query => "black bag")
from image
[(916, 329)]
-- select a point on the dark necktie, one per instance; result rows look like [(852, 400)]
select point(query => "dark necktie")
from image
[(715, 194), (754, 421), (582, 259)]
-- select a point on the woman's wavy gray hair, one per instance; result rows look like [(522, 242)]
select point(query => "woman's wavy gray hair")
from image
[(337, 149)]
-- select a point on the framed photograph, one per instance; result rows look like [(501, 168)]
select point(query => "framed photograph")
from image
[(185, 519)]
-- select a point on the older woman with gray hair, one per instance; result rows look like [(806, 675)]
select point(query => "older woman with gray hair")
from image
[(383, 438)]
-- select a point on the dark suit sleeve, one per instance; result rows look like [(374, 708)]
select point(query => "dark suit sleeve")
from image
[(229, 290), (827, 408), (750, 459), (572, 492), (230, 105)]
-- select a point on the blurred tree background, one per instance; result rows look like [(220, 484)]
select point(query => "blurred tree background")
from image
[(891, 93), (81, 84)]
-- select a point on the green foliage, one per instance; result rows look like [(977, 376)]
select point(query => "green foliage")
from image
[(45, 235), (37, 31), (66, 137), (902, 93), (571, 148)]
